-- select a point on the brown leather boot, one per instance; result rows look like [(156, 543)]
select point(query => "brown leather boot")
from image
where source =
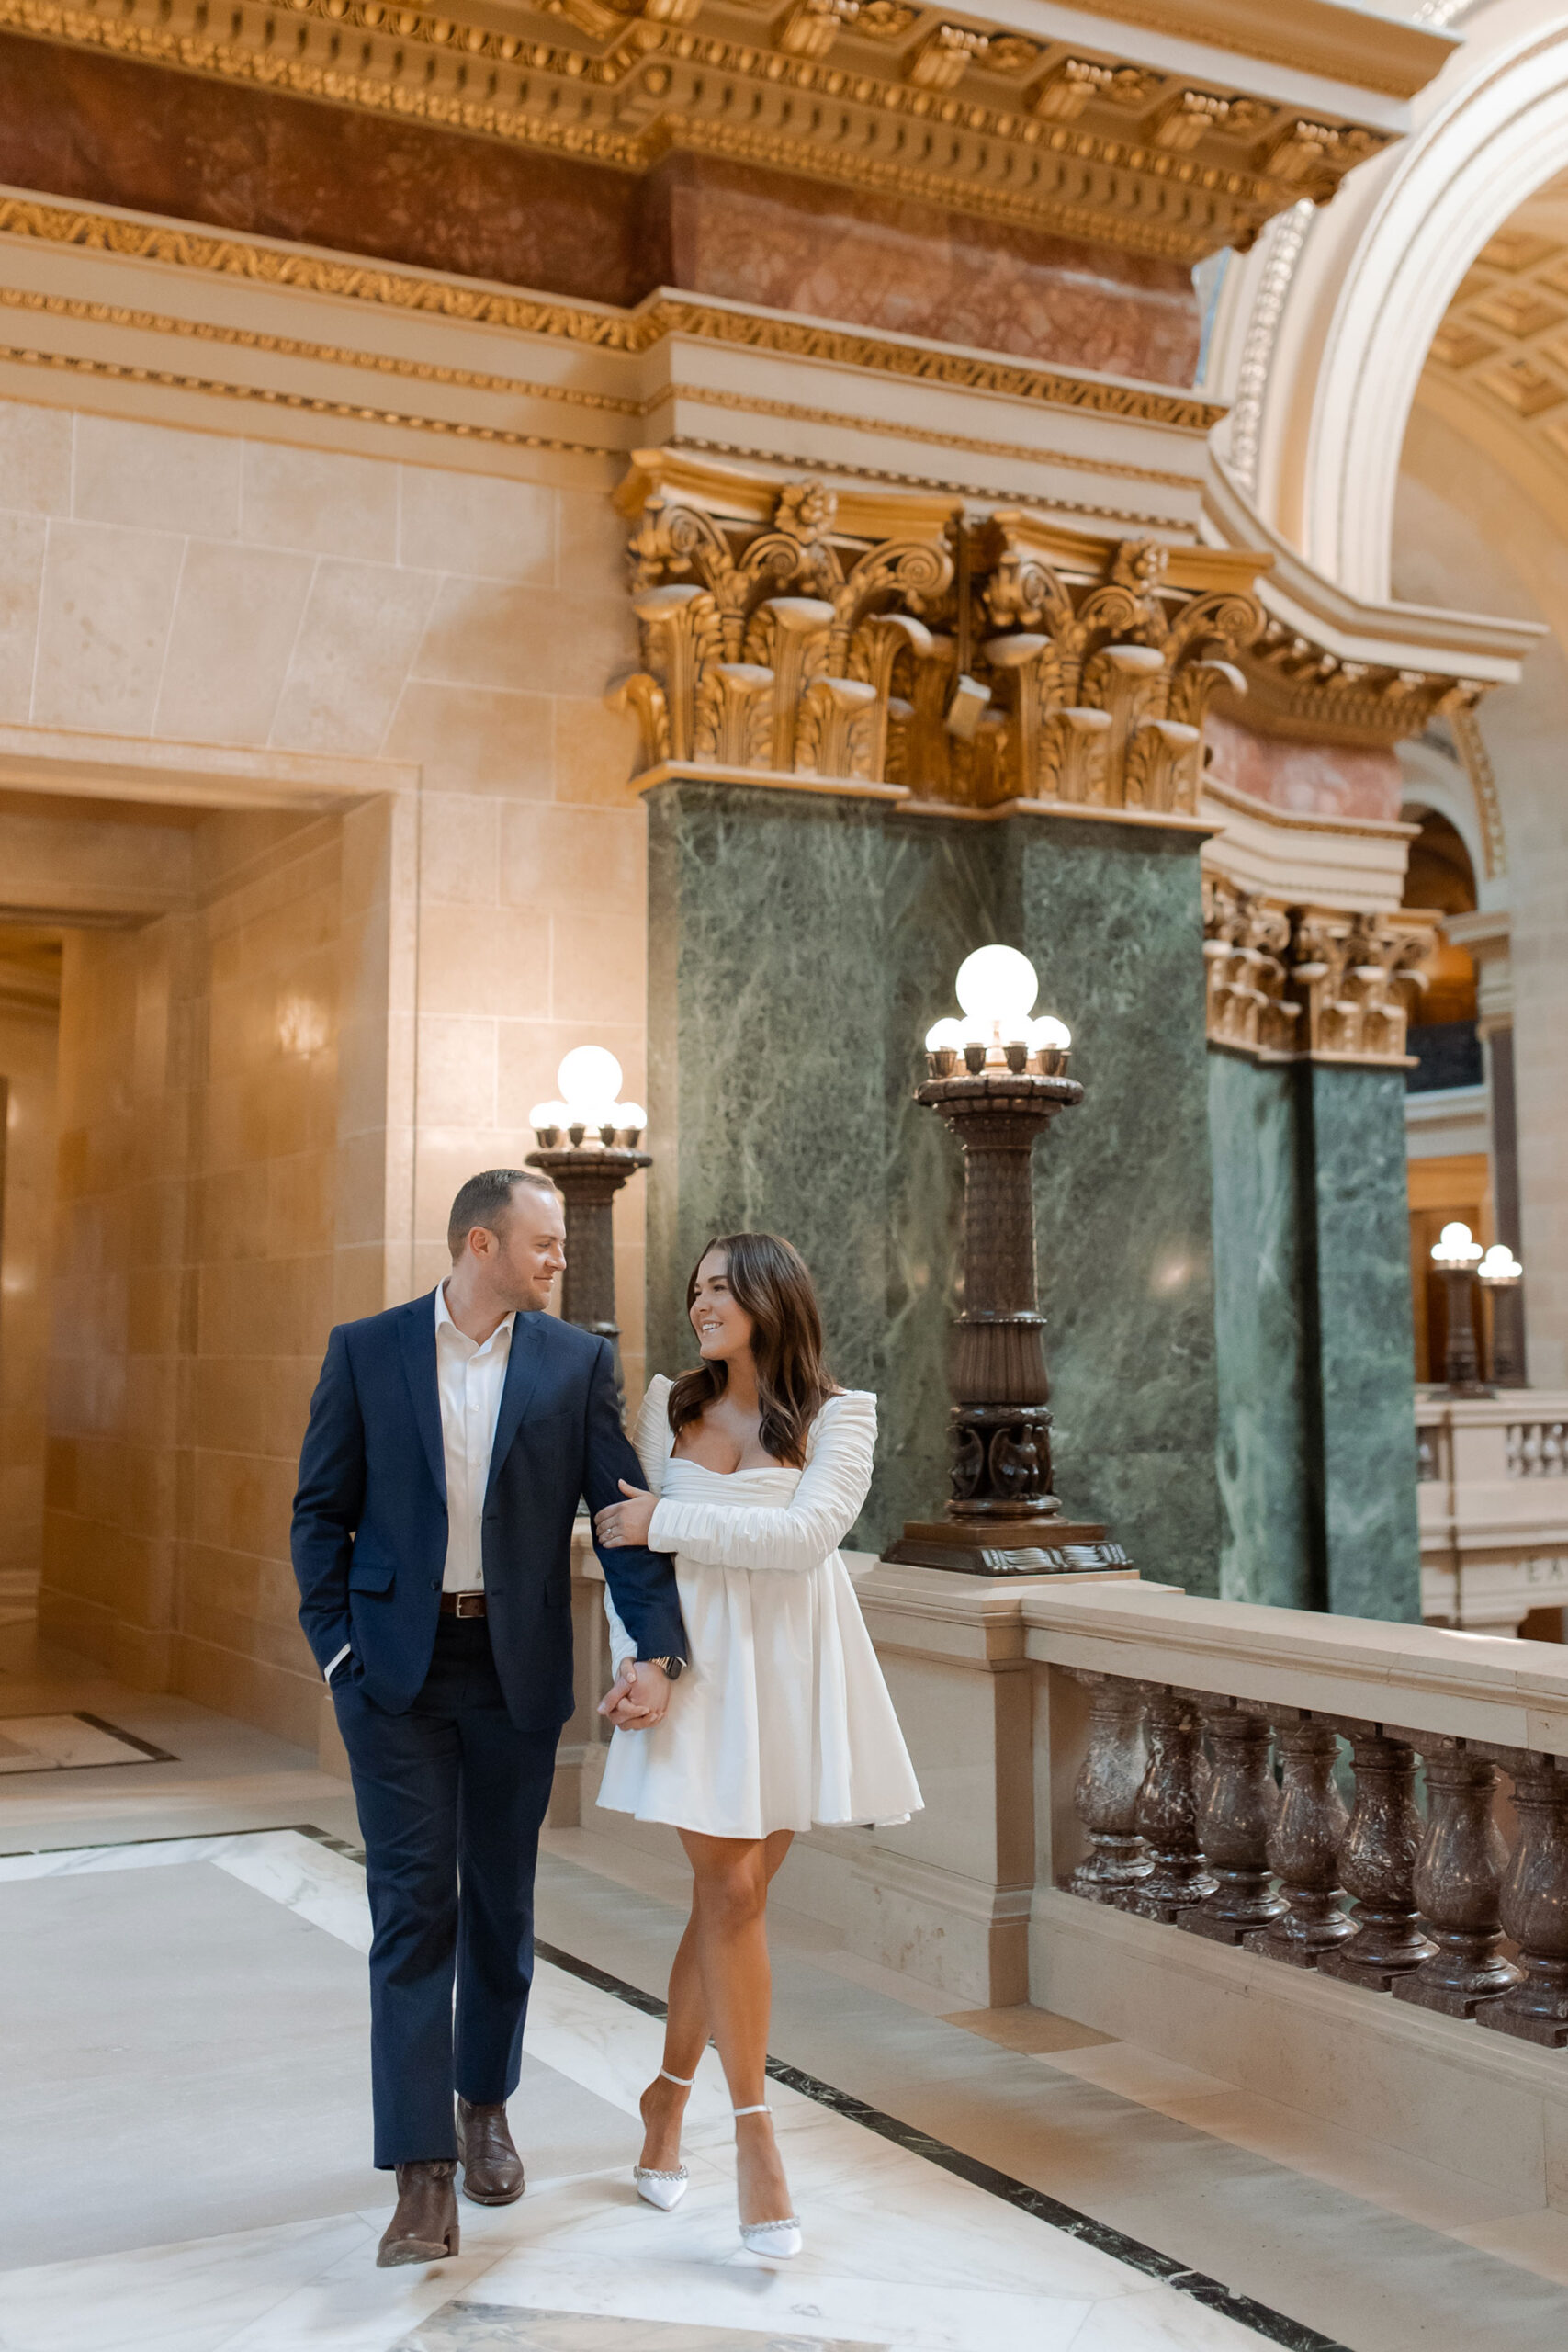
[(425, 2227), (493, 2170)]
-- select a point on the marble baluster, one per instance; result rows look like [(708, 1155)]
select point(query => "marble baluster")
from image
[(1377, 1864), (1235, 1816), (1533, 1904), (1167, 1812), (1105, 1794), (1459, 1877), (1304, 1848)]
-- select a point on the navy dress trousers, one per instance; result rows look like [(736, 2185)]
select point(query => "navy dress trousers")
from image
[(451, 1724)]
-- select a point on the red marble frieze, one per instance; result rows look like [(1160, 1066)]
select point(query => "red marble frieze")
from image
[(115, 132)]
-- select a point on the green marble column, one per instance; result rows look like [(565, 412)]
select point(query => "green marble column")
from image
[(1111, 917), (1356, 1266), (1268, 1547), (800, 944)]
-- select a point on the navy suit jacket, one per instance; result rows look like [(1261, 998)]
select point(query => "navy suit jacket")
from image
[(369, 1534)]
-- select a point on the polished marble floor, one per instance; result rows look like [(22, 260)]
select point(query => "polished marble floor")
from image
[(184, 2122)]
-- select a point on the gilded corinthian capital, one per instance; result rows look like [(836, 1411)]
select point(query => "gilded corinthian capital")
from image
[(899, 642)]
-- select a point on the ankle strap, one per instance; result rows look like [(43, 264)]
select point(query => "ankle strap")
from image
[(751, 2110), (685, 2081)]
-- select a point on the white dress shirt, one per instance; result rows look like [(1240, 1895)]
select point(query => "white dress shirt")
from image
[(470, 1378)]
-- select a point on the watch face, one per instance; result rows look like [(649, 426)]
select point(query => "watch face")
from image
[(674, 1667)]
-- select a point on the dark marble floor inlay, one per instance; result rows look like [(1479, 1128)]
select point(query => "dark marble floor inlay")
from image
[(1275, 2327)]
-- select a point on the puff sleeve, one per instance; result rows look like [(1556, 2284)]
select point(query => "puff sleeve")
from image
[(651, 1440), (793, 1538)]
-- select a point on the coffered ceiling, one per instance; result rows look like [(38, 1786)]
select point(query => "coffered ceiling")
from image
[(891, 96), (1503, 345)]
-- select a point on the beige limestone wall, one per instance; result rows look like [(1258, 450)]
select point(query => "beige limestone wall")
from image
[(271, 1091), (29, 1041), (1468, 536)]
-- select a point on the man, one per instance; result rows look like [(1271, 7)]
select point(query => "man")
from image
[(449, 1442)]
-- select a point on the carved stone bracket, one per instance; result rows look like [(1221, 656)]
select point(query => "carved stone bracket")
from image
[(893, 640), (1289, 981)]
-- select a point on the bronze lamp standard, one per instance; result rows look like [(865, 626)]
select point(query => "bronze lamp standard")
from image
[(588, 1146), (1455, 1255), (999, 1079), (1498, 1272)]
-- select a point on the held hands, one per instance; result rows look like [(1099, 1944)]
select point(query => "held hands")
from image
[(638, 1696), (619, 1524)]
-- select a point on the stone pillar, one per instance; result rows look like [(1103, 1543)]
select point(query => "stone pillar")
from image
[(1359, 1354), (800, 943)]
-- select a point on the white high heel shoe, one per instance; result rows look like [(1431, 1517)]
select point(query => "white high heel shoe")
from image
[(778, 2240), (664, 2189)]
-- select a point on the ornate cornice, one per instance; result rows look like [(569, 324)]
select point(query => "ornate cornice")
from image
[(791, 630), (907, 104), (600, 327), (1296, 686), (1286, 983)]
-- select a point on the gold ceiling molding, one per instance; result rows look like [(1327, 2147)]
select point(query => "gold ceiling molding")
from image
[(707, 396), (1287, 983), (1095, 148), (792, 630), (603, 329), (1297, 686), (381, 363), (112, 370), (1310, 36), (750, 454)]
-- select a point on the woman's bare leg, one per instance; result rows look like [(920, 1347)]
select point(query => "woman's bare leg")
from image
[(688, 2027)]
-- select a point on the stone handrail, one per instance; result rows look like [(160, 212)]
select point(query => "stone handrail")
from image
[(1208, 1794), (1492, 1502)]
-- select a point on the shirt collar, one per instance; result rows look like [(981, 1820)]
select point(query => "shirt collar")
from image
[(444, 1317)]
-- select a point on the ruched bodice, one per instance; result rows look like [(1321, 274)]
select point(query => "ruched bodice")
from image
[(782, 1717)]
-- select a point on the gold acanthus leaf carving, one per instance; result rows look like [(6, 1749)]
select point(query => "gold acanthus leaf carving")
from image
[(1086, 670), (1285, 981)]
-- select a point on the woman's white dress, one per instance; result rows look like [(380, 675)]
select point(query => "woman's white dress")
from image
[(782, 1717)]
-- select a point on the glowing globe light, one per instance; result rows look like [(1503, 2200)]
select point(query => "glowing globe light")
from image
[(997, 986), (1050, 1035), (945, 1036), (1455, 1247), (589, 1078), (1500, 1265)]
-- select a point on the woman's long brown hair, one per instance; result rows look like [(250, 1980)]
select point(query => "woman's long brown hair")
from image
[(768, 1278)]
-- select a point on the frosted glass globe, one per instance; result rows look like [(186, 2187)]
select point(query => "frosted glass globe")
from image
[(1455, 1245), (944, 1036), (631, 1114), (588, 1076), (547, 1115), (1050, 1035), (996, 985)]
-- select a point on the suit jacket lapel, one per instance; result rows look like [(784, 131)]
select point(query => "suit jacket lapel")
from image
[(417, 1334), (523, 1365)]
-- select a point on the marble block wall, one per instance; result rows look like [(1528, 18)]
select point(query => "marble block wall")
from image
[(29, 1050), (800, 944)]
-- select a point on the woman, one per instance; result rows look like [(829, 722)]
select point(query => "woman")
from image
[(759, 1465)]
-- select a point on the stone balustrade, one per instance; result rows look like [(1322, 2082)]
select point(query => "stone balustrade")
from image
[(1492, 1501), (1379, 1810)]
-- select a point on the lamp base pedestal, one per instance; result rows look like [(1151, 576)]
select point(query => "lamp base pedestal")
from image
[(997, 1546)]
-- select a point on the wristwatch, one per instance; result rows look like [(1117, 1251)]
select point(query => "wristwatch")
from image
[(673, 1667)]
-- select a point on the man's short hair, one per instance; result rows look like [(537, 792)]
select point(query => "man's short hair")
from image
[(486, 1199)]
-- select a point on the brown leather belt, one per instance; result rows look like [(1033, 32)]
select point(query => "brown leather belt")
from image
[(463, 1604)]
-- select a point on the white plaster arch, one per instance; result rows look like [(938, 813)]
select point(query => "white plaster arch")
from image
[(1373, 273), (1436, 780)]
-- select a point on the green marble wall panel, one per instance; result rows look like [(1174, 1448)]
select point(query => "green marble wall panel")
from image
[(1269, 1550), (800, 944), (1111, 917), (767, 987), (1357, 1268)]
